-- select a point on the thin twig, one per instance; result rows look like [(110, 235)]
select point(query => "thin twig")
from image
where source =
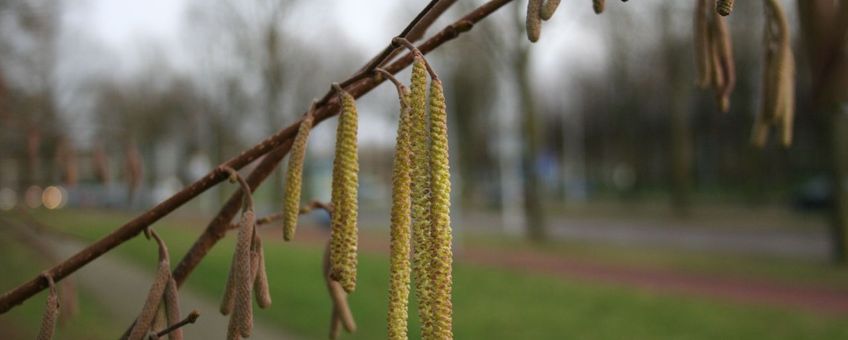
[(405, 43), (191, 318), (398, 84), (274, 148)]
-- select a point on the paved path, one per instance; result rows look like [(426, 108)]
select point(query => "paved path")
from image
[(121, 287), (808, 243)]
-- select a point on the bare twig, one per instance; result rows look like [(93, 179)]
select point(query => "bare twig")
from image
[(191, 318), (274, 148)]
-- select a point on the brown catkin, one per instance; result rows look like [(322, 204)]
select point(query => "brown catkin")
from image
[(172, 308), (724, 7), (725, 66), (228, 301), (714, 53), (441, 239), (242, 317), (399, 249), (345, 186), (598, 6), (51, 312), (420, 139), (778, 98), (294, 177), (260, 283), (548, 9), (151, 305), (341, 311), (144, 322), (533, 21)]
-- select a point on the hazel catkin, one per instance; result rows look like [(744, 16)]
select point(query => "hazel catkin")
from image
[(294, 177), (724, 7), (400, 225), (598, 6), (778, 98), (548, 9), (440, 229), (151, 304), (172, 308), (51, 311), (241, 319), (533, 21), (420, 138), (344, 196), (260, 284)]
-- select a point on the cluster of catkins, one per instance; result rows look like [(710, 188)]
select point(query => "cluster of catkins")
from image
[(421, 203), (714, 56), (247, 272), (538, 10), (714, 52), (162, 295)]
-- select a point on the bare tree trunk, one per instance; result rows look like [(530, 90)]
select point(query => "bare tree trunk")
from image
[(533, 210)]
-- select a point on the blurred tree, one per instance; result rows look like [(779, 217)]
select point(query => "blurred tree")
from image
[(825, 30)]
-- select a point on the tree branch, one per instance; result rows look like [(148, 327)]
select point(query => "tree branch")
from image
[(276, 146)]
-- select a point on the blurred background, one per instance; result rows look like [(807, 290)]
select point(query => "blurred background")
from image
[(597, 191)]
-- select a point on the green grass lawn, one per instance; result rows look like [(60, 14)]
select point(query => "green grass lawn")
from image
[(489, 303), (20, 263)]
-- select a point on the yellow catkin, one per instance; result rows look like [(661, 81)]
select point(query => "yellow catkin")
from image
[(419, 136), (533, 21), (261, 290), (441, 278), (724, 7), (51, 312), (548, 9), (172, 309), (241, 320), (294, 176), (702, 44), (400, 226), (598, 6), (345, 182)]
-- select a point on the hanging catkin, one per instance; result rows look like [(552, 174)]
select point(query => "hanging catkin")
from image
[(51, 311), (533, 21), (725, 68), (172, 308), (260, 284), (548, 9), (294, 177), (440, 272), (400, 224), (419, 136), (341, 315), (598, 6), (145, 320), (778, 98), (242, 318), (344, 196), (228, 300), (724, 7)]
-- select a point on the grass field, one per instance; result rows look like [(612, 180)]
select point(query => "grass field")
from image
[(489, 303), (19, 263)]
